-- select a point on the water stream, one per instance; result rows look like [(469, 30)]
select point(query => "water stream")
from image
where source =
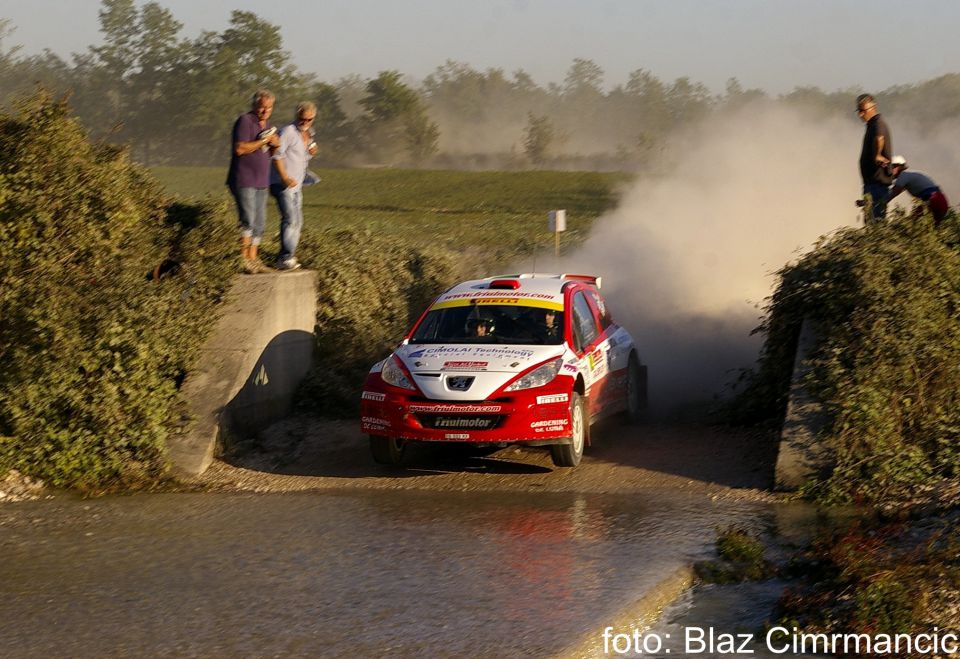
[(363, 573)]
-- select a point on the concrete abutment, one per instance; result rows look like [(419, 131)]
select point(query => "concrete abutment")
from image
[(249, 367)]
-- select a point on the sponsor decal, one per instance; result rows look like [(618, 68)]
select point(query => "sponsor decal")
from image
[(374, 421), (570, 368), (471, 422), (462, 409), (549, 429), (550, 423), (465, 366), (481, 298), (466, 353), (498, 293), (455, 435), (555, 398), (598, 365), (595, 358), (373, 395)]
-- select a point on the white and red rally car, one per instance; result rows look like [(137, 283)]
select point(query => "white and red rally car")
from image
[(528, 359)]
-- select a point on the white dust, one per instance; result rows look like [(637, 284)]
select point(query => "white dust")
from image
[(688, 257)]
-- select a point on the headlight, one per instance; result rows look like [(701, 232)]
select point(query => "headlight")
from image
[(393, 374), (538, 376)]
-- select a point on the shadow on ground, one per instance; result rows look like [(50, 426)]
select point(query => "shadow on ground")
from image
[(621, 457), (734, 457)]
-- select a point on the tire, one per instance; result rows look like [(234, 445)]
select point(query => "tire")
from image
[(569, 455), (636, 391), (387, 450)]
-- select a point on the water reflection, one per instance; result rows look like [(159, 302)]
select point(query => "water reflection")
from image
[(351, 573)]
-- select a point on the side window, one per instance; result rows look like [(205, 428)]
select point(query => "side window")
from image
[(605, 320), (584, 326)]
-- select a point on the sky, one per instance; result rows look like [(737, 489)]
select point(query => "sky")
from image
[(775, 45)]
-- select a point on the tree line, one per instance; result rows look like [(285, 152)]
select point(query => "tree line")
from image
[(173, 100)]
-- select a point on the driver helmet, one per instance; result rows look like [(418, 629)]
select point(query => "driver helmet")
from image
[(476, 320)]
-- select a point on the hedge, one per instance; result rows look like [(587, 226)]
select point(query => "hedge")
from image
[(93, 347), (885, 301)]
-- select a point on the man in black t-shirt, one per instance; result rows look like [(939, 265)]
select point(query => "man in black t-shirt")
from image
[(875, 156)]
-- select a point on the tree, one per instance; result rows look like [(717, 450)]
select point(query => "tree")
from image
[(687, 101), (537, 138), (334, 132), (158, 50), (736, 96), (103, 99), (422, 136), (394, 123), (583, 77)]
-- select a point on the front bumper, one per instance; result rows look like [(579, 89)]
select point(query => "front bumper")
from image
[(539, 416)]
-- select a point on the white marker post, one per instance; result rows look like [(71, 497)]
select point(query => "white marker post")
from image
[(557, 223)]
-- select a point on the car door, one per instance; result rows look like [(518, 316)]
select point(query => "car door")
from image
[(588, 344), (616, 346)]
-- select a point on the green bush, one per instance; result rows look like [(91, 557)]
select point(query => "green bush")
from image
[(741, 557), (878, 579), (93, 350), (885, 301), (370, 289)]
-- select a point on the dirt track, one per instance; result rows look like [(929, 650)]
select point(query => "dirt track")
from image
[(304, 453)]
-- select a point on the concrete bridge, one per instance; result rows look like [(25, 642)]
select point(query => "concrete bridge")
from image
[(249, 367)]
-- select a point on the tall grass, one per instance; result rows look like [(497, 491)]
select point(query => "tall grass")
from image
[(490, 216)]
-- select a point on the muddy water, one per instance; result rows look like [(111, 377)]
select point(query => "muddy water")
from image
[(359, 573)]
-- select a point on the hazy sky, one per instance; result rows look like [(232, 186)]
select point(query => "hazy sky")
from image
[(772, 44)]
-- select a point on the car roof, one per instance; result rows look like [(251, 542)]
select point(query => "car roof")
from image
[(544, 287)]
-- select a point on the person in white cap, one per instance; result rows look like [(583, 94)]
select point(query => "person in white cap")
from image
[(920, 186)]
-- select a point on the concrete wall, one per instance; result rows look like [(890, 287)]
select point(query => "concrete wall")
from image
[(802, 455), (250, 366)]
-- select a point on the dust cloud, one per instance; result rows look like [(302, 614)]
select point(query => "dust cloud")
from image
[(689, 256)]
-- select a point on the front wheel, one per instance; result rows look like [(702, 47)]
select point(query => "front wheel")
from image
[(387, 450), (569, 455)]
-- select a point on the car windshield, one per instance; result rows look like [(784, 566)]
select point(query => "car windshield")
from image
[(491, 323)]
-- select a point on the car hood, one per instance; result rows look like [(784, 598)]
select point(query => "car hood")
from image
[(490, 365)]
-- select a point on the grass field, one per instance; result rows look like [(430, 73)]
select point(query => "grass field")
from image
[(496, 214)]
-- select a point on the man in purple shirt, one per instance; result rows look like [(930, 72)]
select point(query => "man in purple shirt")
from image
[(249, 176)]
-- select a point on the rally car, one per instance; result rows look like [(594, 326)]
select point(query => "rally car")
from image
[(528, 359)]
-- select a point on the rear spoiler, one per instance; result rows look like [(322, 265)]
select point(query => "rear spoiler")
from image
[(587, 279)]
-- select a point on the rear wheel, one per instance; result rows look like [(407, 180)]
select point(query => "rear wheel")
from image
[(387, 450), (569, 455), (636, 390)]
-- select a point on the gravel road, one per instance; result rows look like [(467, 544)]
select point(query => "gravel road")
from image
[(310, 453)]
